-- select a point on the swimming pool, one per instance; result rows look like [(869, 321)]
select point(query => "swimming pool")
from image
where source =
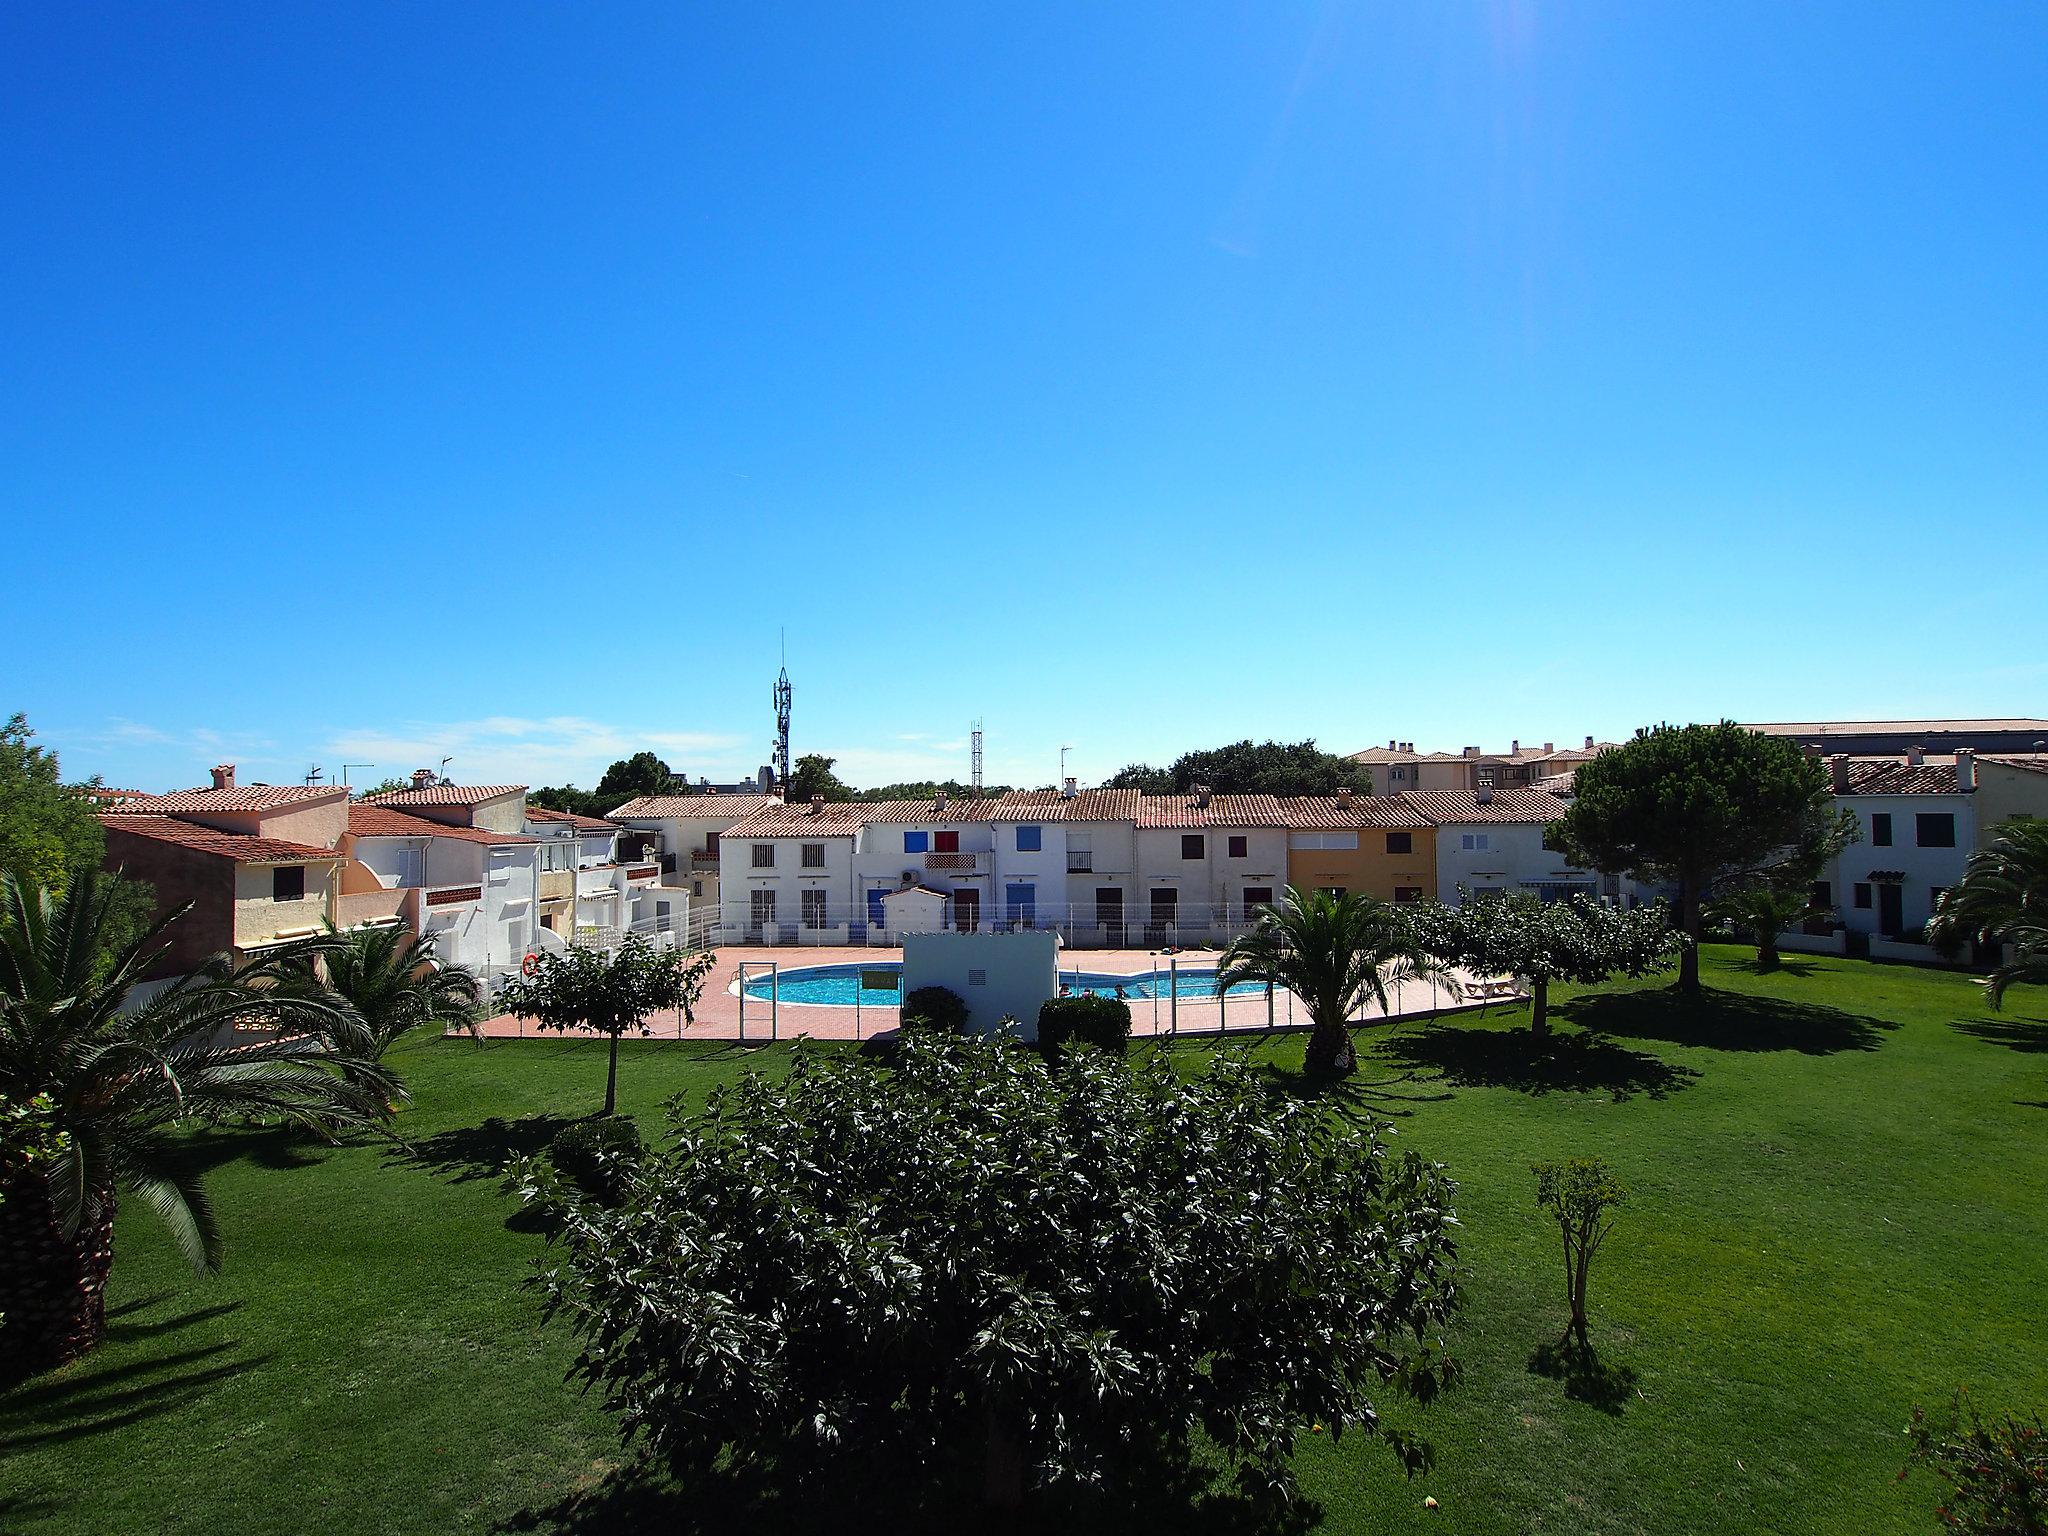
[(839, 985)]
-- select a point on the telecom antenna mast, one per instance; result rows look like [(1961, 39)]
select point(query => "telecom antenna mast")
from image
[(782, 723), (977, 757)]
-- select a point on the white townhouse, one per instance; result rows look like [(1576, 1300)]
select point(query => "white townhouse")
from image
[(474, 891), (1205, 860), (786, 874), (1918, 822), (681, 833), (947, 846), (1492, 841)]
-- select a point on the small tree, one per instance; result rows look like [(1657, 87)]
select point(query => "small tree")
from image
[(586, 988), (1763, 911), (1996, 1469), (1580, 1194), (935, 1008), (2002, 899), (1704, 808), (1540, 942), (975, 1262)]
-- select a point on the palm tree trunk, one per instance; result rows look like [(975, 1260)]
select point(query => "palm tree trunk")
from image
[(1767, 952), (1329, 1047), (53, 1287)]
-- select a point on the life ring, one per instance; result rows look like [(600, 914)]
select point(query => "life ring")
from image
[(530, 966)]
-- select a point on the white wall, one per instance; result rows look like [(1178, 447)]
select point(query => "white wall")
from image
[(1210, 889), (998, 975), (1512, 857), (1924, 868), (738, 880)]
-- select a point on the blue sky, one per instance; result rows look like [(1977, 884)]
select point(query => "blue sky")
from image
[(379, 383)]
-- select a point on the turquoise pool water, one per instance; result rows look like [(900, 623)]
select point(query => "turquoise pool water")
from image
[(840, 984)]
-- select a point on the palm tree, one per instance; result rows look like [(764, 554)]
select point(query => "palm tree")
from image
[(393, 981), (120, 1081), (1335, 953), (1764, 911), (2002, 899)]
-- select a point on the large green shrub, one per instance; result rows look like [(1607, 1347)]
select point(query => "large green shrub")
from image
[(972, 1264), (1089, 1018), (939, 1010), (597, 1155)]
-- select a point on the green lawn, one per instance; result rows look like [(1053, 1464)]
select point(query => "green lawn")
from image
[(1837, 1211)]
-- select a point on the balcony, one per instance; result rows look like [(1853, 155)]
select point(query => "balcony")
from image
[(958, 863), (1080, 861), (704, 858)]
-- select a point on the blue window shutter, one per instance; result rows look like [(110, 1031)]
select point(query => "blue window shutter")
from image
[(875, 912), (916, 842), (1027, 839)]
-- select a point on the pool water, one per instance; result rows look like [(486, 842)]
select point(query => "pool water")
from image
[(840, 985)]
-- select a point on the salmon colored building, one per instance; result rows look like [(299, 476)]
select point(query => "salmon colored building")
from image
[(1373, 845)]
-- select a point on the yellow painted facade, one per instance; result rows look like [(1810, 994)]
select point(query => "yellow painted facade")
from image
[(1397, 864)]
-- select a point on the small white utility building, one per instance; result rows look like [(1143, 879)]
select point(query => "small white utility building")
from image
[(998, 975)]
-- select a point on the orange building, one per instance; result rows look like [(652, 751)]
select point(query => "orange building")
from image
[(1376, 845)]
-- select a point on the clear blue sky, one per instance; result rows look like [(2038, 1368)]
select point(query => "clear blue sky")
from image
[(384, 382)]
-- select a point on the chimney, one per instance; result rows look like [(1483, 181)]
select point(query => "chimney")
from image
[(942, 799), (1484, 794), (1393, 746), (422, 778), (817, 805), (1516, 746), (1838, 773), (1344, 797), (1550, 746), (1471, 751), (1069, 786), (1966, 768), (224, 776), (1589, 743), (1202, 796), (1915, 756)]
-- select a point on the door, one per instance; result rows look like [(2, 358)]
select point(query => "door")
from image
[(967, 910), (1021, 902), (1165, 913), (1109, 914), (1891, 916)]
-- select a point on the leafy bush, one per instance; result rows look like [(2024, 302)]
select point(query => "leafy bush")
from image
[(971, 1263), (1090, 1019), (1579, 1193), (1997, 1471), (595, 1155), (938, 1009)]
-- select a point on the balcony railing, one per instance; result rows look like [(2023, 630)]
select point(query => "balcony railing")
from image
[(953, 861), (705, 858), (1080, 861)]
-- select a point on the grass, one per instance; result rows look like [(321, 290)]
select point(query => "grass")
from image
[(1835, 1213)]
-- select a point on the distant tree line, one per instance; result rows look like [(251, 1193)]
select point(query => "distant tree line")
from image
[(1250, 768)]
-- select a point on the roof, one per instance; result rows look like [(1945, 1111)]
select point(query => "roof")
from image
[(735, 806), (366, 820), (569, 818), (245, 797), (836, 818), (445, 794), (1307, 812), (239, 846), (1889, 727), (1526, 805), (1891, 778), (2033, 762), (1082, 805), (984, 808), (1221, 811)]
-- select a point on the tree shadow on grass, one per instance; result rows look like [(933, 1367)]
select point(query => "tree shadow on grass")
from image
[(277, 1147), (1587, 1378), (913, 1502), (1356, 1096), (473, 1152), (2013, 1034), (1472, 1057), (1725, 1021), (70, 1407)]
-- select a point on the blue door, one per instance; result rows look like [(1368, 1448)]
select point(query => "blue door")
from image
[(1022, 900), (875, 914)]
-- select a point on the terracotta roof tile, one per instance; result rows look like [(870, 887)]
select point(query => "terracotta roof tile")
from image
[(366, 820), (735, 806), (1892, 778), (569, 819), (246, 797), (445, 794), (1221, 811), (239, 846), (834, 819), (1523, 805), (1306, 812)]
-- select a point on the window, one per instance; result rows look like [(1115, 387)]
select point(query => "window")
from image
[(1863, 895), (945, 842), (764, 855), (1407, 893), (1400, 842), (1332, 890), (1322, 840), (1881, 830), (1193, 845), (764, 908), (661, 915), (1821, 894), (1237, 847), (814, 909), (1255, 897), (696, 887), (1028, 839), (917, 842), (288, 883), (1475, 842), (814, 855), (1935, 829), (711, 843)]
